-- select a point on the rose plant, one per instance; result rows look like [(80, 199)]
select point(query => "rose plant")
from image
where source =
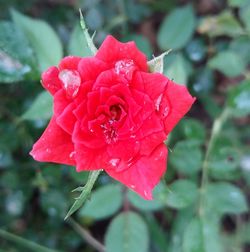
[(111, 113)]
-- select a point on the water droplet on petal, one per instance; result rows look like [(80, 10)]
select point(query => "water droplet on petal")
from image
[(114, 162), (71, 81), (48, 150), (145, 193), (158, 102), (125, 67), (165, 112), (72, 155), (132, 186)]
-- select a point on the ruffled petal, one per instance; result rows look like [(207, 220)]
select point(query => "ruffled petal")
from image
[(119, 151), (145, 174), (112, 51), (90, 68), (60, 102), (153, 84), (50, 80), (54, 145), (89, 159), (69, 62), (180, 101), (67, 119), (88, 139)]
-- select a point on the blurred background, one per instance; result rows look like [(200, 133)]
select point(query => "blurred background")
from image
[(210, 42)]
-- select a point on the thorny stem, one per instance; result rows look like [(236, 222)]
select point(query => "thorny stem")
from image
[(216, 129), (86, 34), (85, 191), (86, 235)]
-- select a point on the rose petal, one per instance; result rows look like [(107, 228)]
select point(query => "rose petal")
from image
[(89, 159), (50, 80), (90, 68), (145, 174), (54, 145), (118, 150), (112, 51), (88, 139), (180, 101), (67, 119), (69, 62), (60, 102), (153, 84)]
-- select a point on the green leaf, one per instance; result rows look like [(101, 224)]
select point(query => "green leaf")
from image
[(241, 46), (239, 99), (78, 45), (203, 82), (85, 192), (158, 235), (127, 233), (41, 108), (196, 50), (43, 39), (202, 235), (245, 16), (16, 56), (237, 3), (220, 25), (182, 193), (54, 203), (177, 70), (179, 225), (227, 62), (186, 157), (225, 198), (149, 205), (193, 130), (224, 163), (103, 203), (177, 28)]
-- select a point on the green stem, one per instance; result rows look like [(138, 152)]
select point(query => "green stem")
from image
[(24, 242), (216, 129), (86, 34), (86, 235), (85, 191)]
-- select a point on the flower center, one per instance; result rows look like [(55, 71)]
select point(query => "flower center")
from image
[(110, 126), (125, 67), (71, 81), (115, 112)]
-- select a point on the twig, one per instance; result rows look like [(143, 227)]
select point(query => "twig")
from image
[(86, 235), (216, 129), (24, 242)]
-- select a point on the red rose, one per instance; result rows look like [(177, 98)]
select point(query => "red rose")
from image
[(110, 113)]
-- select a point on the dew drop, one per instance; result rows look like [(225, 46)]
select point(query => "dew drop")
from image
[(132, 186), (145, 193), (72, 155), (71, 81), (165, 112), (158, 102), (125, 67), (114, 162), (48, 150)]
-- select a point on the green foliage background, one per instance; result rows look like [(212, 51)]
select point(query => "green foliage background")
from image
[(199, 206)]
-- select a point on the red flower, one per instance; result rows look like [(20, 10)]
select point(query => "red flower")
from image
[(110, 113)]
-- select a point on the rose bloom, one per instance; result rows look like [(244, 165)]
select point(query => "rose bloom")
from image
[(111, 113)]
